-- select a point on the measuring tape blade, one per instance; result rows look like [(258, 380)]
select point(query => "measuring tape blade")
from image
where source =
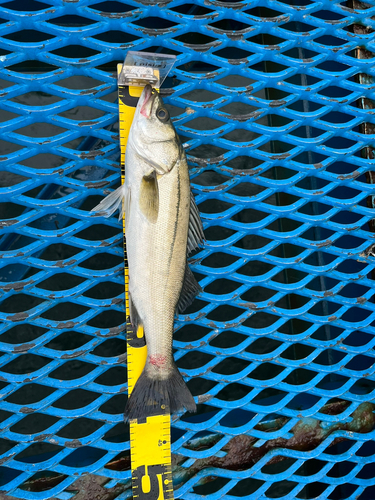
[(150, 438)]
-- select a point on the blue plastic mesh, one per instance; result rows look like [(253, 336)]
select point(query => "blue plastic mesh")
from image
[(274, 101)]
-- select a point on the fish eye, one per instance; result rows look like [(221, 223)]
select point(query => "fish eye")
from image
[(162, 114)]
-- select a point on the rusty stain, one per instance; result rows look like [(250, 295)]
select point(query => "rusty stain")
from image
[(235, 36), (18, 316), (332, 318), (117, 15), (234, 6), (219, 187), (112, 331), (42, 437), (280, 157), (237, 62), (60, 235), (242, 118), (91, 155), (235, 323), (67, 324), (23, 347), (93, 91), (249, 305), (202, 47), (62, 263), (204, 398), (189, 346), (322, 243), (19, 285), (104, 243), (9, 222), (74, 354), (74, 443), (157, 32), (98, 184), (88, 123), (26, 409), (3, 461), (242, 172), (353, 175)]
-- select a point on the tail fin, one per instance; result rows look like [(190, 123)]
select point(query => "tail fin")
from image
[(155, 396)]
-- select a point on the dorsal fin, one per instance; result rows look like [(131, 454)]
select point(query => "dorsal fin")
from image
[(195, 234), (189, 291)]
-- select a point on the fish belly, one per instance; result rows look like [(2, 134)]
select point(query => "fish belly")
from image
[(157, 258)]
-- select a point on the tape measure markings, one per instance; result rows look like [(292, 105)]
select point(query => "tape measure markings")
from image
[(150, 442)]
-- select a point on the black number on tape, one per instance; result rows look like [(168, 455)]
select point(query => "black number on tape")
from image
[(133, 340), (126, 98), (153, 471)]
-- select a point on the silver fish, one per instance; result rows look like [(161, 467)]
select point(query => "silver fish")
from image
[(162, 225)]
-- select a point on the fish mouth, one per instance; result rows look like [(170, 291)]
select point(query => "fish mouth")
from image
[(147, 100)]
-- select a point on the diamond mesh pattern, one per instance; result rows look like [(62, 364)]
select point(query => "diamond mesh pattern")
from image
[(274, 102)]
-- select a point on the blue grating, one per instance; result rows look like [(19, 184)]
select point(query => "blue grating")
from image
[(274, 101)]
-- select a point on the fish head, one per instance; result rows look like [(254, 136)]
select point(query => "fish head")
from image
[(152, 133)]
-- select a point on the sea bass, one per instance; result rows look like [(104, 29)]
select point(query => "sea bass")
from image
[(162, 225)]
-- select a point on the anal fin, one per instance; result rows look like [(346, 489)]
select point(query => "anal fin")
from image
[(189, 291), (134, 316)]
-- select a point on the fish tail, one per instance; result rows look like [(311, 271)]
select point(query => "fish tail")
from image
[(157, 395)]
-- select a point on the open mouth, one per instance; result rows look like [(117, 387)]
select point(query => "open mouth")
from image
[(148, 98)]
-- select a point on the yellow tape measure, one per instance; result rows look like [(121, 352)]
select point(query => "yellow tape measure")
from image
[(150, 439)]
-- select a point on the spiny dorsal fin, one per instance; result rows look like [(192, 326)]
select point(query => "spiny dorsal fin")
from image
[(149, 197), (190, 290), (195, 234)]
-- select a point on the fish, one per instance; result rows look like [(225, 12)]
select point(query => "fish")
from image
[(162, 227)]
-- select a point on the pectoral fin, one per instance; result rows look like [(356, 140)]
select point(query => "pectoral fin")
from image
[(149, 197), (112, 202), (190, 290)]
